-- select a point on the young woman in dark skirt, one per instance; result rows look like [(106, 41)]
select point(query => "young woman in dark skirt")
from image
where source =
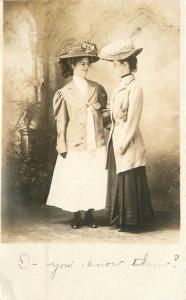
[(128, 197)]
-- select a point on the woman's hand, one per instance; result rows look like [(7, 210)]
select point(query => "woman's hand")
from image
[(119, 149), (63, 154)]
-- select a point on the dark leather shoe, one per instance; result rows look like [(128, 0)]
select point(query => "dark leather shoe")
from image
[(75, 226), (76, 221), (89, 219), (93, 225)]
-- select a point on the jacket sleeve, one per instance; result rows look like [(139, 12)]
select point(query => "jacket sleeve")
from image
[(104, 108), (102, 97), (61, 118), (133, 118)]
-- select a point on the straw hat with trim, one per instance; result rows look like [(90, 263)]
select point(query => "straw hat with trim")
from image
[(119, 50), (84, 49)]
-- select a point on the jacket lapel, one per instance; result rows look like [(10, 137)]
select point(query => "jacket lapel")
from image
[(91, 90), (75, 92), (125, 82), (123, 85)]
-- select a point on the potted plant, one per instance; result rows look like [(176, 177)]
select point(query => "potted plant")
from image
[(27, 124)]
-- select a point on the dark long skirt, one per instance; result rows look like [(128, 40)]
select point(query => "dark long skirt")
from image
[(128, 197)]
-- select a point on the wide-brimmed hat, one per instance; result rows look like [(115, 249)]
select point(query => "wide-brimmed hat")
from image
[(119, 50), (84, 49)]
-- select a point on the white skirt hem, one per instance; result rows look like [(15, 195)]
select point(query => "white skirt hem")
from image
[(79, 181)]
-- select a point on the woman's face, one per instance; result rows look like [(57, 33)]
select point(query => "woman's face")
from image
[(120, 69), (81, 67)]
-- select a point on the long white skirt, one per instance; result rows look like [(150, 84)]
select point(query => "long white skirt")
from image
[(79, 181)]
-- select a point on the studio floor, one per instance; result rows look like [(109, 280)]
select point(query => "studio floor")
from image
[(46, 224)]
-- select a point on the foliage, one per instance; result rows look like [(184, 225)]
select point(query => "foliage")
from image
[(29, 114)]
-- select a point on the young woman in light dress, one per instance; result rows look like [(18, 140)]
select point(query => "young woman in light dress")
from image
[(79, 180)]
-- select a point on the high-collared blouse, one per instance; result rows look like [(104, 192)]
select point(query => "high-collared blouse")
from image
[(71, 108), (81, 84)]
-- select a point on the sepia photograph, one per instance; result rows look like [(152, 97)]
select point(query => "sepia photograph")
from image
[(90, 122)]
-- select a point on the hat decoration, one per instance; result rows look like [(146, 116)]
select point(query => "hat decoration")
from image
[(120, 48), (81, 50), (89, 48)]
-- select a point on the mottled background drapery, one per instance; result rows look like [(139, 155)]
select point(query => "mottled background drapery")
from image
[(34, 34)]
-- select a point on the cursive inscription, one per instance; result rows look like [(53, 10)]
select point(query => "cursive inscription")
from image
[(55, 267), (91, 264), (145, 262), (25, 262)]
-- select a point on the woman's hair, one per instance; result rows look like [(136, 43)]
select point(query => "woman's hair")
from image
[(66, 65), (132, 62)]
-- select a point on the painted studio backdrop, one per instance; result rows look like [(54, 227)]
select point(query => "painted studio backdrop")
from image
[(34, 34)]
